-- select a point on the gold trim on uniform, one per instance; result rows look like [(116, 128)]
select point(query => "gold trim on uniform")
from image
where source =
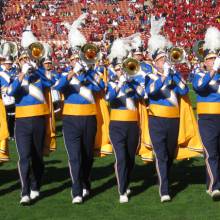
[(123, 115), (79, 109), (31, 110), (164, 111), (208, 108)]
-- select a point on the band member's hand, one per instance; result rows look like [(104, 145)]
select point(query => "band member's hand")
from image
[(78, 67), (166, 68), (25, 68), (216, 64), (122, 80)]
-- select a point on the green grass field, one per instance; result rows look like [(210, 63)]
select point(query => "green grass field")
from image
[(190, 200)]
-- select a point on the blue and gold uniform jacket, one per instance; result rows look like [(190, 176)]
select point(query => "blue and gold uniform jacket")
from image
[(123, 100), (78, 92), (207, 89), (29, 94), (164, 95)]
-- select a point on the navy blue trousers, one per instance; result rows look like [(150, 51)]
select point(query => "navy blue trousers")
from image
[(79, 136), (29, 136), (164, 137), (209, 127), (124, 137)]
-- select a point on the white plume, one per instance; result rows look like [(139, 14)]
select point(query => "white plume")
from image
[(119, 50), (76, 38), (134, 40), (156, 25), (79, 21), (212, 39), (157, 42), (27, 37)]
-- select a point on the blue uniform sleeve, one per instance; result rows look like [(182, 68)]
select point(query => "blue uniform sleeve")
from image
[(61, 83), (95, 80), (200, 80), (13, 87), (154, 84), (46, 82), (181, 86), (111, 92)]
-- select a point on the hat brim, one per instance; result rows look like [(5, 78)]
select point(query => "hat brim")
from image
[(210, 55), (8, 62), (160, 55)]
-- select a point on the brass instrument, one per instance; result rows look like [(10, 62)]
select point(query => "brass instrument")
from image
[(36, 50), (131, 66), (176, 55), (9, 48), (198, 50), (90, 53)]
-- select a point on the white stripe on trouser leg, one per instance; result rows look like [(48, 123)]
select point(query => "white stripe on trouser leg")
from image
[(68, 162), (158, 173), (115, 166), (18, 163), (209, 170)]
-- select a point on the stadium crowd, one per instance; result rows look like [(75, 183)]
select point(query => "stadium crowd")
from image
[(186, 20)]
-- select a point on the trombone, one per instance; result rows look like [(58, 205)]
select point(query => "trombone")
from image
[(131, 66)]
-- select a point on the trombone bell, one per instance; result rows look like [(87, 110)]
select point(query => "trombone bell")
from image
[(36, 50), (176, 55), (90, 53), (131, 66)]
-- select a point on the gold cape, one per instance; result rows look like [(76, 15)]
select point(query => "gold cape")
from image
[(102, 141), (189, 140), (4, 134), (50, 136)]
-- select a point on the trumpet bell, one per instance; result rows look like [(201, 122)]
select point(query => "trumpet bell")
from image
[(36, 50), (198, 50), (9, 49), (131, 66), (90, 53), (176, 55)]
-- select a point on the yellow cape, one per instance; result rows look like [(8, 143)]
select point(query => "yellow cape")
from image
[(102, 142), (189, 141), (50, 136), (4, 134)]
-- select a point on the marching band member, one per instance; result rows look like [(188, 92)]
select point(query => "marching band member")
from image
[(79, 116), (30, 113), (123, 92), (206, 84), (9, 102), (166, 92)]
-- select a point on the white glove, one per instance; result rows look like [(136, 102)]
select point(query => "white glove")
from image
[(216, 64), (122, 80), (77, 68), (33, 64), (85, 65), (25, 68), (166, 68)]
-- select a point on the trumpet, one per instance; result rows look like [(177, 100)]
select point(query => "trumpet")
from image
[(90, 53), (131, 66), (36, 50), (176, 55)]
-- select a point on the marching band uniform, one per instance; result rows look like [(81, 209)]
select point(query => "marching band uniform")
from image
[(79, 124), (30, 114), (8, 101), (206, 85), (124, 128), (4, 134), (164, 121)]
